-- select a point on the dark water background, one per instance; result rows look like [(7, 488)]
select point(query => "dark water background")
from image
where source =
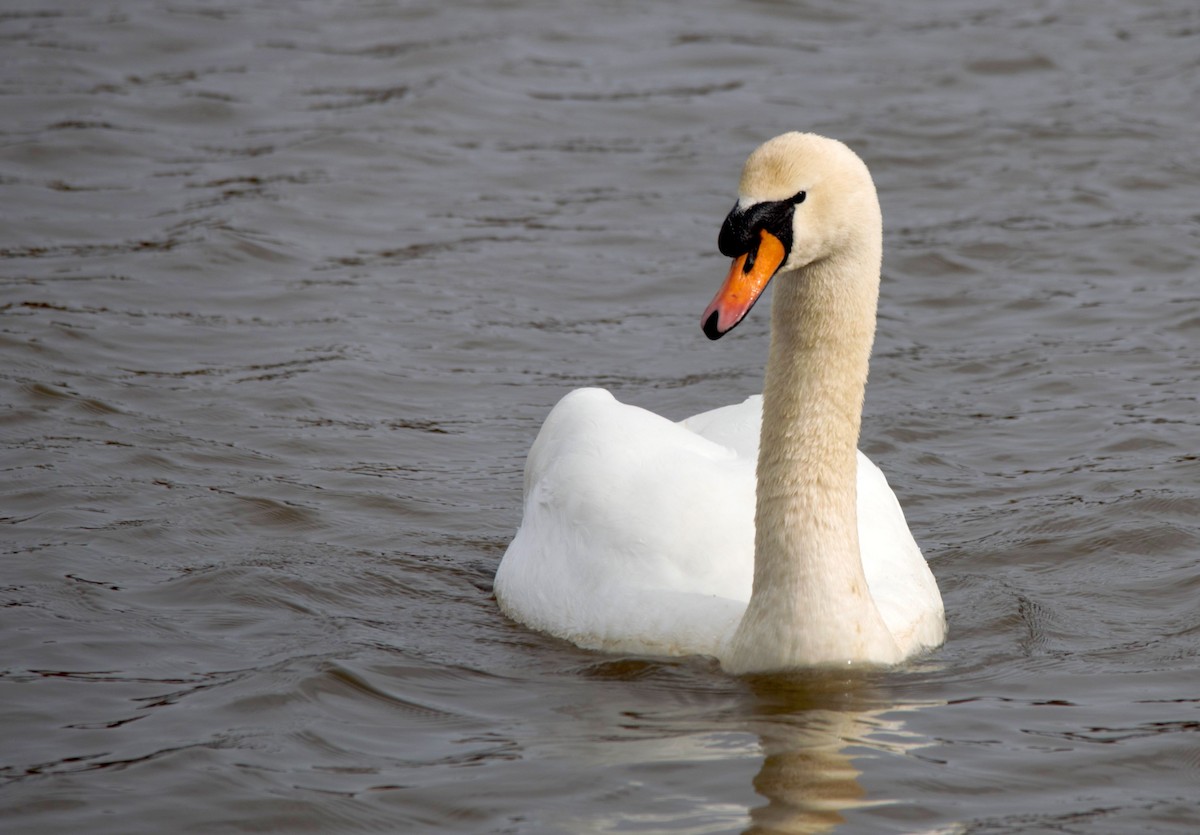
[(286, 289)]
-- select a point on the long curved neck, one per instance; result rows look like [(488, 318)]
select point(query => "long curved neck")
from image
[(810, 603)]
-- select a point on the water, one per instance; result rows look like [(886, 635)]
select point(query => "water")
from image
[(287, 289)]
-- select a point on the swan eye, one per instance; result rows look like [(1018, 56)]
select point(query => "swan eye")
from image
[(799, 198)]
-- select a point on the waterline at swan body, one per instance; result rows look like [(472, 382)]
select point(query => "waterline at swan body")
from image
[(755, 533)]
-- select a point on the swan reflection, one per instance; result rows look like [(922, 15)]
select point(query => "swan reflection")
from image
[(811, 728)]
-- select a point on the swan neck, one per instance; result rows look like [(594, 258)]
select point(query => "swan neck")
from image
[(810, 603), (822, 330), (821, 336)]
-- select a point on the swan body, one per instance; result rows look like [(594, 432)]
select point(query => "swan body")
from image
[(755, 533)]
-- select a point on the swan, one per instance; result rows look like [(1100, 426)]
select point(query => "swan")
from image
[(756, 533)]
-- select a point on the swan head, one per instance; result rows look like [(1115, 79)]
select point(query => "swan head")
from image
[(803, 198)]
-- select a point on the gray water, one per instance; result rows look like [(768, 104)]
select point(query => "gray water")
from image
[(286, 290)]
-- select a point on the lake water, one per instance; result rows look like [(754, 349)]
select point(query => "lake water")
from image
[(286, 289)]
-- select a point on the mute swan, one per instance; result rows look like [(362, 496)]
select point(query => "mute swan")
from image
[(641, 535)]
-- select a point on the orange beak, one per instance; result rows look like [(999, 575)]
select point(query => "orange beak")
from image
[(742, 287)]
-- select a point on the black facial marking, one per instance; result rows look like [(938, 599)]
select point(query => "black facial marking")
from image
[(739, 232)]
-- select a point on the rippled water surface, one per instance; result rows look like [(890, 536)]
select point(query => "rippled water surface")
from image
[(286, 289)]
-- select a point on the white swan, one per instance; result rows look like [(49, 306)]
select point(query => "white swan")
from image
[(646, 536)]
